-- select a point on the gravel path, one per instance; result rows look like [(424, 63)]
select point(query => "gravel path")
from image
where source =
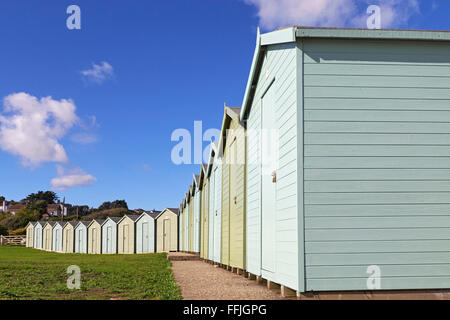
[(202, 281)]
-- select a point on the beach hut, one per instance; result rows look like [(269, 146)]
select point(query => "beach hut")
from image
[(180, 228), (145, 233), (69, 237), (359, 181), (109, 235), (81, 237), (47, 236), (233, 147), (204, 214), (94, 230), (196, 202), (183, 225), (167, 230), (30, 234), (215, 202), (38, 234), (126, 234), (187, 226), (57, 237)]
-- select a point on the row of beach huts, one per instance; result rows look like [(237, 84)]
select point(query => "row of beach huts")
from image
[(145, 233), (334, 174)]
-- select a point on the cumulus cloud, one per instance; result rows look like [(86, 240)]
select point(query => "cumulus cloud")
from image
[(74, 177), (99, 73), (31, 128), (331, 13)]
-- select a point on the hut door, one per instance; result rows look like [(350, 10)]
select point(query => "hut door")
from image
[(125, 238), (57, 241), (109, 240), (232, 241), (269, 151), (166, 235), (66, 237), (93, 241), (145, 237), (80, 240)]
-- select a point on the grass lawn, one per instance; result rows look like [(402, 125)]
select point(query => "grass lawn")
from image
[(27, 273)]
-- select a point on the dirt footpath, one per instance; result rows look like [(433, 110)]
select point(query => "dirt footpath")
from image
[(202, 281)]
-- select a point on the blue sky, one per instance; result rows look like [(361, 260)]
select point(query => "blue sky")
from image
[(167, 64)]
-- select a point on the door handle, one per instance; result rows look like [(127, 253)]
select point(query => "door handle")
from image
[(274, 176)]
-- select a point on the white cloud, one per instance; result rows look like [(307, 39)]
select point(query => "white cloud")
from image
[(99, 72), (31, 128), (331, 13), (71, 178)]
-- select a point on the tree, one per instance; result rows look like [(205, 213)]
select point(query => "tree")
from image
[(40, 206), (112, 205), (2, 198), (48, 196)]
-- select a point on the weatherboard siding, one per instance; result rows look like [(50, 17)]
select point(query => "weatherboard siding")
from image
[(197, 212), (217, 174), (377, 163), (279, 69)]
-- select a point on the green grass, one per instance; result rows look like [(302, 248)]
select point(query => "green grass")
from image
[(27, 273)]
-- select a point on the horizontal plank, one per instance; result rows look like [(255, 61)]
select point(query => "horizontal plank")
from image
[(380, 103), (376, 210), (387, 283), (377, 162), (375, 151), (397, 222), (377, 116), (375, 174), (367, 259), (376, 127), (376, 81), (377, 234), (377, 246), (332, 272), (317, 45), (376, 139), (377, 186), (368, 92), (379, 58), (376, 70)]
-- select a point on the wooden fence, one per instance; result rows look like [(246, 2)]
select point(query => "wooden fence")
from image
[(12, 240)]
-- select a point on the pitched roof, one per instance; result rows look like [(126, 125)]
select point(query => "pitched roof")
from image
[(72, 223), (133, 217), (236, 110), (86, 223), (173, 210), (60, 223), (99, 221)]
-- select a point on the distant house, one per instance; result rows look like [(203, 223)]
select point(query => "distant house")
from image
[(4, 207), (56, 210)]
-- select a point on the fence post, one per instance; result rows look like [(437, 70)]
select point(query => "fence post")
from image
[(1, 240)]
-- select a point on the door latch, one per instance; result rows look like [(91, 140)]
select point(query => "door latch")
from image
[(274, 177)]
